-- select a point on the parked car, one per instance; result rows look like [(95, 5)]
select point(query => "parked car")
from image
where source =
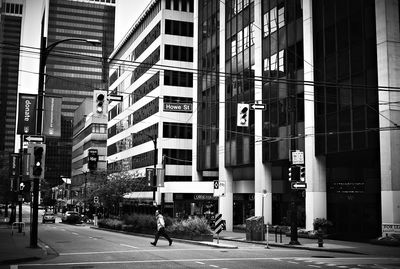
[(71, 217), (49, 217)]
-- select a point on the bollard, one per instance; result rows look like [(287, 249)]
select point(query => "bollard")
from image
[(320, 236), (276, 234), (280, 234)]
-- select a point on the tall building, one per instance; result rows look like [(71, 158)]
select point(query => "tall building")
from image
[(152, 127), (89, 141), (10, 35), (75, 69), (325, 73)]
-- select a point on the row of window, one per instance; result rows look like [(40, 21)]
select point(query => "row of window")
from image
[(93, 128), (137, 116), (180, 28), (144, 66), (178, 53), (13, 9), (177, 78), (180, 5)]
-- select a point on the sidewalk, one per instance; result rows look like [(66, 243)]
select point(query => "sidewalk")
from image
[(312, 244), (14, 248)]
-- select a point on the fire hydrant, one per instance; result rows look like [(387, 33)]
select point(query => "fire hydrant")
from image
[(320, 236)]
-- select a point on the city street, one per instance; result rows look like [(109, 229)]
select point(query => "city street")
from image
[(79, 246)]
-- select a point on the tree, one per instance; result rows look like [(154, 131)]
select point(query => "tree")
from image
[(112, 190)]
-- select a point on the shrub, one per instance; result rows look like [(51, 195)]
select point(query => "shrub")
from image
[(321, 223), (110, 224), (191, 226)]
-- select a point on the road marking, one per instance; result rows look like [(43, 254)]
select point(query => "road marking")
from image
[(200, 263), (292, 262), (129, 246), (215, 266), (316, 266), (75, 233), (176, 260)]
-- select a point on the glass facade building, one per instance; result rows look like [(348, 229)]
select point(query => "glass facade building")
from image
[(74, 69), (321, 69)]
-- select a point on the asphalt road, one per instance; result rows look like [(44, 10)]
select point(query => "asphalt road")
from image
[(79, 246)]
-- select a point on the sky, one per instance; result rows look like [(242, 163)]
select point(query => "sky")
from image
[(127, 12)]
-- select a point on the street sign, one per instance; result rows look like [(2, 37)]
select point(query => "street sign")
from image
[(298, 185), (117, 98), (218, 223), (258, 106), (297, 157), (34, 138), (222, 187)]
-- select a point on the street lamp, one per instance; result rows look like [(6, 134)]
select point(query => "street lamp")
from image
[(44, 53), (154, 139)]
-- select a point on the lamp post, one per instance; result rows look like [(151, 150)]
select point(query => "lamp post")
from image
[(44, 53), (154, 185)]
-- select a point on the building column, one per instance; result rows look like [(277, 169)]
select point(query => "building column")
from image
[(388, 57), (196, 175), (225, 174), (315, 166), (262, 172)]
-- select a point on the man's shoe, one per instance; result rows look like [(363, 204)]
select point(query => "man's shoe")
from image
[(170, 242), (154, 244)]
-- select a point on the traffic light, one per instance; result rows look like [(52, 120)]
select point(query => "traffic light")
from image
[(37, 154), (294, 173), (243, 115), (38, 167), (100, 102), (302, 173)]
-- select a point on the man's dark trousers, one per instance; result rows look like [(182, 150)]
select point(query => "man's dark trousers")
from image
[(163, 233)]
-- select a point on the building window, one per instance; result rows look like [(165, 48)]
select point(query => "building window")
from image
[(274, 19)]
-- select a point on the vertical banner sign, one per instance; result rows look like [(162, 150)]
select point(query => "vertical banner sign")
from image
[(27, 114), (52, 116), (93, 158), (14, 170)]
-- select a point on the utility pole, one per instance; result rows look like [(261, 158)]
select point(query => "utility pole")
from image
[(293, 202)]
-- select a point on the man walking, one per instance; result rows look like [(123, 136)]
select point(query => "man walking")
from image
[(160, 229)]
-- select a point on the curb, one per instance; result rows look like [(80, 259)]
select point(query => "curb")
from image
[(300, 247)]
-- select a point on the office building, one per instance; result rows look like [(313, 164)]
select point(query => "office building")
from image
[(89, 140), (325, 76), (152, 127), (74, 69)]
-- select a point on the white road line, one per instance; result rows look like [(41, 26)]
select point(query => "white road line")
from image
[(293, 262), (316, 266), (215, 266), (342, 266), (75, 233), (331, 264), (142, 261), (200, 263), (129, 246)]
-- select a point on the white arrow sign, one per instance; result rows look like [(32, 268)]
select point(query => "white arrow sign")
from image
[(258, 106), (33, 138), (299, 185), (117, 98)]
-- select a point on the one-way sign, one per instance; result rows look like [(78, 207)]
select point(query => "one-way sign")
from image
[(298, 185), (258, 106), (34, 138)]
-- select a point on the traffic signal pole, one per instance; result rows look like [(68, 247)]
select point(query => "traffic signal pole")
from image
[(293, 202)]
